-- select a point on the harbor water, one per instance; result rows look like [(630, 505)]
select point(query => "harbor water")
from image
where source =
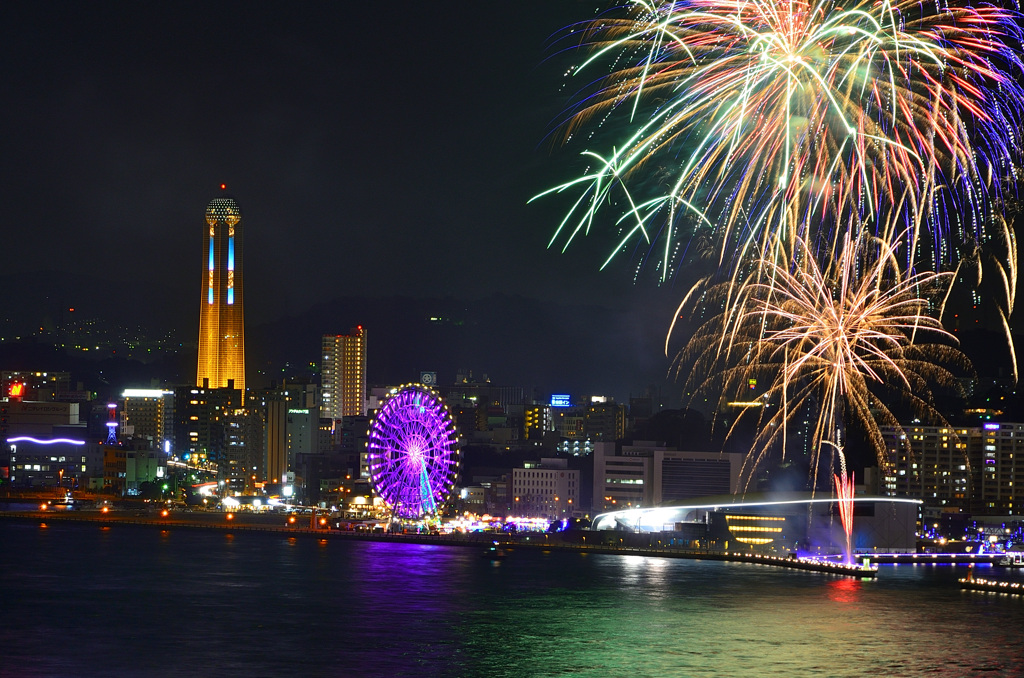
[(85, 600)]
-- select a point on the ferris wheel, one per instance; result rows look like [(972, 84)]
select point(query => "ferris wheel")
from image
[(413, 452)]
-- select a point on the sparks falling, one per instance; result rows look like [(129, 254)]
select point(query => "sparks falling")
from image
[(828, 341), (751, 123)]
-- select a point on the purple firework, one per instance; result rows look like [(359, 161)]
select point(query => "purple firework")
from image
[(413, 452)]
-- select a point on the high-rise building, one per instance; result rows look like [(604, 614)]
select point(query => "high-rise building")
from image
[(221, 322), (147, 416), (343, 374), (203, 419), (971, 469)]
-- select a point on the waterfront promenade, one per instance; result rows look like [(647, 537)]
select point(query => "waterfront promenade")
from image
[(304, 526)]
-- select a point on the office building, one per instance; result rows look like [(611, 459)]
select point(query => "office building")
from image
[(650, 474), (548, 489)]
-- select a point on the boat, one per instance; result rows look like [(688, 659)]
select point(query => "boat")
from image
[(494, 552), (1011, 560)]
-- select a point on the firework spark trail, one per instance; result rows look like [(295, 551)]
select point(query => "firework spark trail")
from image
[(827, 341), (844, 486), (768, 122), (844, 495)]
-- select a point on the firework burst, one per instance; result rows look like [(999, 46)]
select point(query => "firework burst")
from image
[(828, 341), (762, 122)]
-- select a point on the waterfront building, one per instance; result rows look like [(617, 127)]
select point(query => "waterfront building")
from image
[(221, 319), (646, 473), (972, 469), (54, 461), (932, 463), (997, 468), (780, 523), (47, 445), (343, 374), (38, 419), (548, 488)]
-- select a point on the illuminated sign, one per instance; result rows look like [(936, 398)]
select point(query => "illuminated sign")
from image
[(17, 390), (561, 400), (145, 393), (991, 427), (298, 411), (27, 439)]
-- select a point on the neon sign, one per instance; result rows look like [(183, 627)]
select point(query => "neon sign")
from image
[(27, 439)]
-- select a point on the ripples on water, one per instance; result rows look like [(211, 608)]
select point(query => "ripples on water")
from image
[(123, 601)]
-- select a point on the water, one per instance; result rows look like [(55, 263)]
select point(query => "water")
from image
[(80, 600)]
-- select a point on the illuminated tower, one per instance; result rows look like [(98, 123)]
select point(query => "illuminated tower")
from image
[(221, 323), (343, 374)]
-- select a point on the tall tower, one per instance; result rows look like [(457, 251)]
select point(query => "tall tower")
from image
[(343, 374), (221, 323)]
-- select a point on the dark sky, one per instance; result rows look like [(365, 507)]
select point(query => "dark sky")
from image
[(375, 148)]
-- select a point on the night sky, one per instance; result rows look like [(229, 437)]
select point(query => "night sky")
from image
[(375, 149)]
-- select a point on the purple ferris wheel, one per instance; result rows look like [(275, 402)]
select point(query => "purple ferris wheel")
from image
[(413, 452)]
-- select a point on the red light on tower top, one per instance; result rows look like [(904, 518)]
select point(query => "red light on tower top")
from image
[(223, 186)]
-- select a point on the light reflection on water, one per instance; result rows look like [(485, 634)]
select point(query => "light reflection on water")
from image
[(140, 602)]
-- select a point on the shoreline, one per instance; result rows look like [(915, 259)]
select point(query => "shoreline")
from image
[(506, 541)]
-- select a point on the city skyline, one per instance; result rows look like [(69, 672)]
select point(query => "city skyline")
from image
[(698, 441)]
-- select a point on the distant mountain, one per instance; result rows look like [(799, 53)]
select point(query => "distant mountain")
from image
[(513, 340)]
